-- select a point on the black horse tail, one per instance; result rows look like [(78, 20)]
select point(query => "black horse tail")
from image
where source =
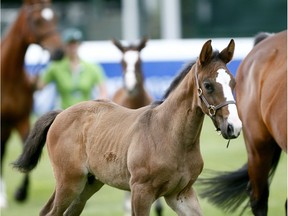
[(229, 190), (35, 142), (226, 190)]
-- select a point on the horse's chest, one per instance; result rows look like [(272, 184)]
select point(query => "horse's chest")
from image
[(188, 170), (16, 99)]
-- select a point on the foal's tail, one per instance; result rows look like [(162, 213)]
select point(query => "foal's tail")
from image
[(228, 190), (35, 142)]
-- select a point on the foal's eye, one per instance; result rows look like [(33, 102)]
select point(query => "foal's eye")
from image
[(208, 86)]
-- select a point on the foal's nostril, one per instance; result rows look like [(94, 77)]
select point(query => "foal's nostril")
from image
[(230, 130)]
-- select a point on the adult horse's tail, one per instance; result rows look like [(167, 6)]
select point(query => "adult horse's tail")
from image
[(228, 190), (35, 142)]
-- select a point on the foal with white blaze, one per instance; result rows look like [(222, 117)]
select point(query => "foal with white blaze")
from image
[(152, 151), (133, 94)]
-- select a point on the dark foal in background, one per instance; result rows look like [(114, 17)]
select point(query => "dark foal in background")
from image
[(36, 23), (153, 151)]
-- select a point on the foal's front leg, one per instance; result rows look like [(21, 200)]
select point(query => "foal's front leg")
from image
[(185, 203), (141, 200)]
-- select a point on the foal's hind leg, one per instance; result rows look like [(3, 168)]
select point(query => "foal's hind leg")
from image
[(91, 187), (47, 208), (185, 203), (68, 188)]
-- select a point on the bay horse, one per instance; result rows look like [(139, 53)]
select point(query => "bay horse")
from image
[(36, 23), (261, 95), (152, 151), (133, 94)]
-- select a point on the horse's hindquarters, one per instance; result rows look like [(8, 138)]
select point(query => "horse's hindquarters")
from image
[(86, 138)]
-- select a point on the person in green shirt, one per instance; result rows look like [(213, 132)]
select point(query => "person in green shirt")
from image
[(74, 78)]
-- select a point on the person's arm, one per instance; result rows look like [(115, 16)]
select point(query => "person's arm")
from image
[(40, 84), (45, 78)]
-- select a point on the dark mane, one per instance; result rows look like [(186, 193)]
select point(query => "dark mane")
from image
[(183, 72), (261, 36)]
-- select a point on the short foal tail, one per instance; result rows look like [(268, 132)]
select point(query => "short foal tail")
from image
[(35, 142)]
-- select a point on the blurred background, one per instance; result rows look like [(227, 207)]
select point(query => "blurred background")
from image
[(162, 19), (176, 30)]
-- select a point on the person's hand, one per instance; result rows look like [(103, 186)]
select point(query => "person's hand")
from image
[(57, 55)]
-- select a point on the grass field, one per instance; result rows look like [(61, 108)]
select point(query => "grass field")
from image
[(109, 201)]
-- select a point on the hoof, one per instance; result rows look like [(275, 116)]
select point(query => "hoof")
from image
[(20, 195)]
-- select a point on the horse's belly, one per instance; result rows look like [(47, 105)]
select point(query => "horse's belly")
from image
[(109, 165), (111, 172)]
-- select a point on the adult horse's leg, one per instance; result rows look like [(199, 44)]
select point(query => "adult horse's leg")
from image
[(185, 203), (91, 187), (262, 160), (127, 203), (158, 207), (5, 134), (21, 193)]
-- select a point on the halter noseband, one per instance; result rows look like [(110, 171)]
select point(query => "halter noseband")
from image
[(211, 108)]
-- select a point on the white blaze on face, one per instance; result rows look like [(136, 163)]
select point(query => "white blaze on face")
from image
[(224, 79), (130, 57), (47, 14)]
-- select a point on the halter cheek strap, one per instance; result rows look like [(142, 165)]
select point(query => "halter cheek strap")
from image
[(212, 109)]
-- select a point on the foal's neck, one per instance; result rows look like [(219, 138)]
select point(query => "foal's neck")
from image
[(182, 113)]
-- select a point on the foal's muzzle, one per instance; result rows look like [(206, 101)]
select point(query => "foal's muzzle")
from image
[(230, 130)]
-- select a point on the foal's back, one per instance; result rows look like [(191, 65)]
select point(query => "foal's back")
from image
[(88, 131)]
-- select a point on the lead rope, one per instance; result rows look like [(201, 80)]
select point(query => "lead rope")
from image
[(228, 143)]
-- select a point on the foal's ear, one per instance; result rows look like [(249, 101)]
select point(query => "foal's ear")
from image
[(206, 53), (118, 45), (142, 43), (227, 54)]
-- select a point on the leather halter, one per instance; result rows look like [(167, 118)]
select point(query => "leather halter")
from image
[(212, 109)]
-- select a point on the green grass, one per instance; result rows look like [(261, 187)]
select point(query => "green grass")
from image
[(109, 201)]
